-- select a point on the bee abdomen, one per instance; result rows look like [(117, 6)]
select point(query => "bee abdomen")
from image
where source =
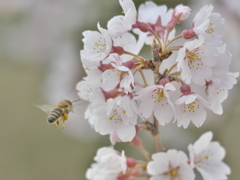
[(55, 115)]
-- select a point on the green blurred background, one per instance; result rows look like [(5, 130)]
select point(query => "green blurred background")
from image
[(38, 38)]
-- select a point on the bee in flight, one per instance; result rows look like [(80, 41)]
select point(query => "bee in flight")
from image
[(59, 113)]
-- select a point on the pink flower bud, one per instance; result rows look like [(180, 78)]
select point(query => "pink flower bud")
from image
[(164, 81), (117, 49), (136, 141), (142, 26), (181, 13), (131, 162), (188, 34), (185, 89)]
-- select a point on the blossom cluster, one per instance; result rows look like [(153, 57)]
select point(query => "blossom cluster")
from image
[(205, 156), (187, 74)]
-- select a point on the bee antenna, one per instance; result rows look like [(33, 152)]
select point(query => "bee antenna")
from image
[(76, 100)]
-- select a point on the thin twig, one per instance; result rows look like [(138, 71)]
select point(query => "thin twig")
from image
[(144, 152), (143, 78), (156, 136)]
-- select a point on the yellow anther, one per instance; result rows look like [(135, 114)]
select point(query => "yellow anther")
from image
[(98, 44), (173, 173), (209, 31), (86, 68), (111, 118), (118, 73)]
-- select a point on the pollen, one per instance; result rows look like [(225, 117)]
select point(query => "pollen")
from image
[(193, 59), (210, 31), (118, 73), (100, 46), (191, 107), (159, 95), (173, 173), (86, 68), (111, 117)]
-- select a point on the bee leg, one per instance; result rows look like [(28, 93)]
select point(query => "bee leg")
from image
[(65, 116), (57, 123)]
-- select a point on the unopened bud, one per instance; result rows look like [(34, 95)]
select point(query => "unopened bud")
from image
[(131, 162), (188, 34), (181, 13), (118, 49), (164, 81), (185, 89), (136, 141), (142, 26)]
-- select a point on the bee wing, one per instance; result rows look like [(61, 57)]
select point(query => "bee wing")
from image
[(45, 107)]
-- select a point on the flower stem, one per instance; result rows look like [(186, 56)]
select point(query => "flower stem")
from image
[(174, 48), (134, 55), (175, 65), (174, 39), (143, 78), (144, 152), (156, 136)]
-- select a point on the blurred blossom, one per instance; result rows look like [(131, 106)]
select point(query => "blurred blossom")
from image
[(43, 27), (10, 7)]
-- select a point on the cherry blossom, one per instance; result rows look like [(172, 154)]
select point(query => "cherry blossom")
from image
[(119, 25), (191, 108), (195, 61), (170, 165), (155, 16), (155, 99), (97, 45), (128, 92), (181, 13), (108, 165), (119, 114), (209, 25), (120, 75), (206, 156)]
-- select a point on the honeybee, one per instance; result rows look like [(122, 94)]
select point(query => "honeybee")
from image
[(58, 113)]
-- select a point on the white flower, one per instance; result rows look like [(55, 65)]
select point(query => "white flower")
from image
[(207, 156), (195, 61), (120, 75), (181, 12), (208, 24), (119, 25), (217, 90), (170, 165), (155, 99), (129, 43), (97, 46), (109, 164), (152, 14), (84, 91), (222, 80), (190, 108), (119, 114)]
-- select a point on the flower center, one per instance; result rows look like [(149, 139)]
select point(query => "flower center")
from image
[(191, 107), (210, 30), (173, 173), (100, 46), (200, 159), (115, 116), (193, 59)]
